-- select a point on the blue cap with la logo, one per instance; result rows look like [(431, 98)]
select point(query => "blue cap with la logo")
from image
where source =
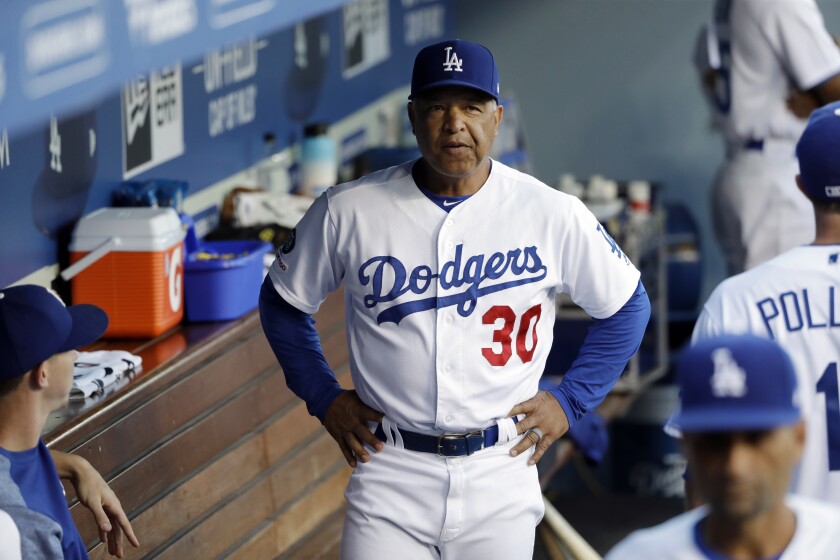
[(736, 382), (455, 63), (817, 152)]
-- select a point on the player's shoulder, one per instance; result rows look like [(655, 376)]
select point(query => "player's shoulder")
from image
[(377, 182), (807, 506), (9, 490), (671, 539), (504, 172), (527, 189), (798, 262), (762, 6), (771, 10), (816, 527)]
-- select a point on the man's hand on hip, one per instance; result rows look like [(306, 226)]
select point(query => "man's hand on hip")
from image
[(544, 423), (346, 422)]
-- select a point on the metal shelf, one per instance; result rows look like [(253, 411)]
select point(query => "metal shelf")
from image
[(643, 241)]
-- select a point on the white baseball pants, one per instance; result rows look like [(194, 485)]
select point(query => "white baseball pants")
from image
[(420, 506)]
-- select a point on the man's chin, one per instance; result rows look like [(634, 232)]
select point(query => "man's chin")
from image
[(457, 169), (736, 508)]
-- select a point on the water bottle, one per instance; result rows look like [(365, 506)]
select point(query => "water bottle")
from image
[(272, 170), (318, 161)]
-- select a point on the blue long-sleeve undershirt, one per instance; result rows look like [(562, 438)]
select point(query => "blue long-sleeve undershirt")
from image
[(608, 345), (603, 355), (294, 340)]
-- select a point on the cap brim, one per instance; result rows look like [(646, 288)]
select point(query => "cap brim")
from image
[(727, 420), (445, 83), (89, 323)]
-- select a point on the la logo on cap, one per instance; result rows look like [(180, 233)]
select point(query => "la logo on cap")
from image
[(728, 379), (452, 62)]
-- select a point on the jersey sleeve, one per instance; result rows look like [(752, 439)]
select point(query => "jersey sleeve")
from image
[(40, 536), (608, 345), (596, 273), (797, 33), (306, 268)]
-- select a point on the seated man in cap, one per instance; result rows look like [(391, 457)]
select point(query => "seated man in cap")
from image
[(743, 434), (38, 337)]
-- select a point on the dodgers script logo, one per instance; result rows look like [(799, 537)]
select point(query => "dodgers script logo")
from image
[(477, 270), (452, 62)]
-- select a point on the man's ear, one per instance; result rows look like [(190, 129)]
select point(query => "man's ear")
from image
[(799, 432), (410, 108), (800, 184), (38, 377)]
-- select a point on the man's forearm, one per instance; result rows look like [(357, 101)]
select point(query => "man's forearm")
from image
[(294, 340), (608, 345)]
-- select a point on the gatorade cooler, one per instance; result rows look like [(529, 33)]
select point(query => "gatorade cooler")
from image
[(130, 262)]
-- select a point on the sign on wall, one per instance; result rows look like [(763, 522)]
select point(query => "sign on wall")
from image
[(366, 35), (153, 120)]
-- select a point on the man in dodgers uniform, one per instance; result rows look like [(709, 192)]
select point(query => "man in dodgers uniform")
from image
[(794, 299), (451, 265), (768, 62), (742, 435)]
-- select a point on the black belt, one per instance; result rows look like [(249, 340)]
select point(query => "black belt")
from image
[(447, 445)]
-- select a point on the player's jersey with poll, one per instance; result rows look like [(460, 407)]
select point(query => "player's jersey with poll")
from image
[(794, 299), (762, 50), (816, 536), (450, 315)]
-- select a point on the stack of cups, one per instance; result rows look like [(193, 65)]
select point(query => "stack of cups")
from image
[(638, 193), (601, 190)]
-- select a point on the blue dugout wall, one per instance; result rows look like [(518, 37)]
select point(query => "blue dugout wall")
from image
[(196, 110)]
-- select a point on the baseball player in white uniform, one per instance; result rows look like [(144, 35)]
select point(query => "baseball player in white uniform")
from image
[(760, 56), (794, 299), (742, 435), (451, 264)]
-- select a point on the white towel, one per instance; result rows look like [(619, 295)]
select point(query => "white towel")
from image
[(93, 371)]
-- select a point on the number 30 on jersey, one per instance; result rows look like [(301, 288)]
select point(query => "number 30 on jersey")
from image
[(503, 337)]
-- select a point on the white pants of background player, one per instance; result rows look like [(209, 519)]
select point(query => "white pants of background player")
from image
[(757, 209), (420, 506)]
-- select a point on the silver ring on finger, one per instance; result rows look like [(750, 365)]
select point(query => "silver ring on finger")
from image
[(538, 432)]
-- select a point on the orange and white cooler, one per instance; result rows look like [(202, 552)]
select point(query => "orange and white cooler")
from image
[(130, 262)]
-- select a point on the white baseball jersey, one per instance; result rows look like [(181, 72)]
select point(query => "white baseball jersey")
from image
[(450, 316), (794, 299), (816, 536), (767, 48)]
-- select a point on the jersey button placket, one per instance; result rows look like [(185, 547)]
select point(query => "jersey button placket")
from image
[(447, 389)]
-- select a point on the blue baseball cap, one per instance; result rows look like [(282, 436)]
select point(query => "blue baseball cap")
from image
[(455, 63), (818, 151), (35, 325), (736, 382)]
